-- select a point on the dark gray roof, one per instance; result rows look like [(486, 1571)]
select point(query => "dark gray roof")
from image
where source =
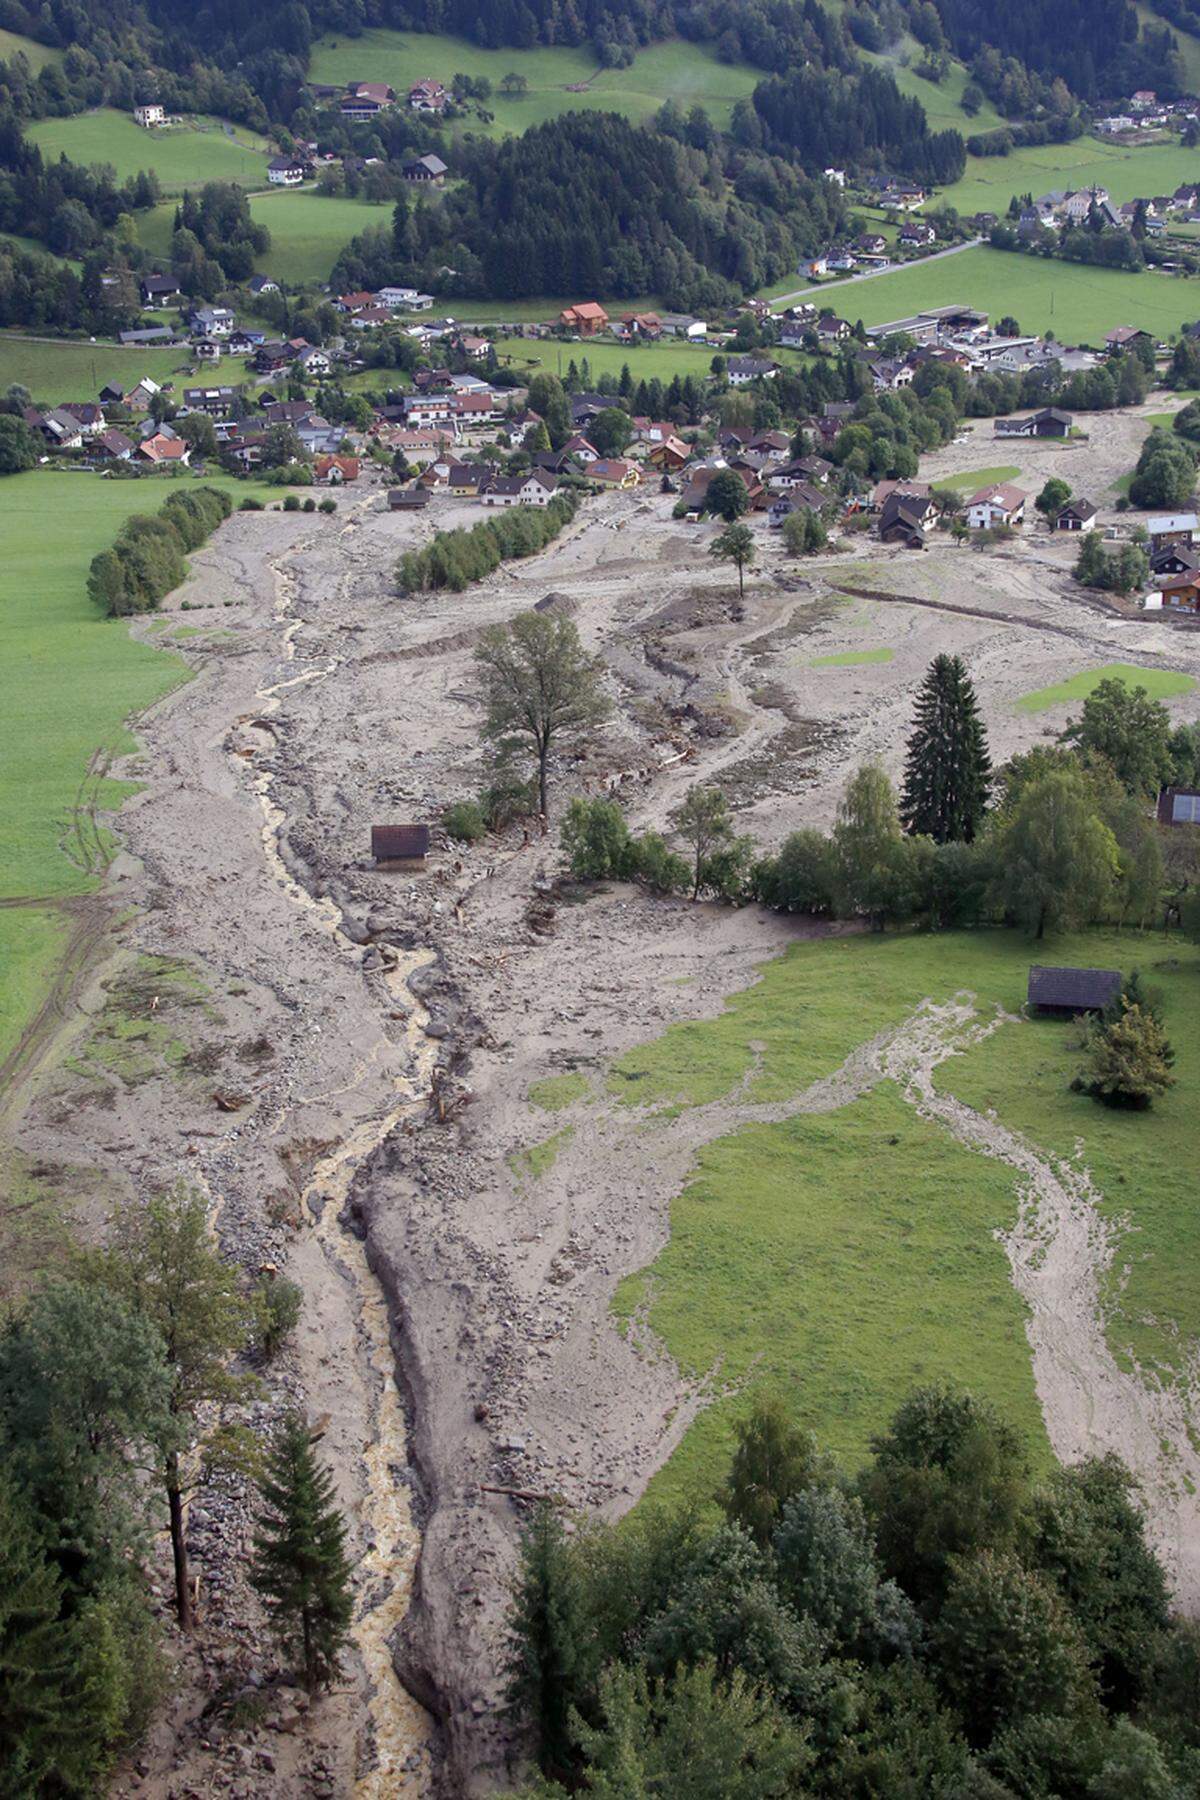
[(390, 842), (1085, 989)]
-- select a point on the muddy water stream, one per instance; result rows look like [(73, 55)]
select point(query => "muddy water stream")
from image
[(399, 1725)]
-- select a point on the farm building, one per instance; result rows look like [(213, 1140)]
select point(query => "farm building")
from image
[(409, 499), (1064, 993), (585, 318), (1076, 515), (399, 843), (1179, 806)]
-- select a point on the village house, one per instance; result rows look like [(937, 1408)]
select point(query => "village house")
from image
[(639, 327), (774, 445), (364, 100), (914, 234), (262, 284), (614, 472), (150, 114), (140, 394), (670, 453), (744, 369), (905, 519), (579, 447), (535, 489), (586, 318), (156, 290), (149, 334), (1176, 593), (313, 361), (407, 499), (427, 171), (59, 429), (800, 498), (334, 471), (285, 171), (466, 479), (1076, 515), (1051, 422), (832, 330), (161, 449), (683, 325), (211, 322), (1127, 337), (1002, 504), (1170, 528), (427, 97), (795, 335), (112, 446), (1175, 559), (214, 402)]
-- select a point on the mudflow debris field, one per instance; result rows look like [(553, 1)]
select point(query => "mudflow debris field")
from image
[(374, 1037)]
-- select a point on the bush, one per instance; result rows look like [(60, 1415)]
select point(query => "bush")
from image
[(1128, 1060), (291, 503), (597, 841), (277, 1304), (465, 821), (310, 505), (249, 505), (328, 506)]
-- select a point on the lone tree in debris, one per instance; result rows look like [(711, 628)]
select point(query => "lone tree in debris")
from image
[(947, 775), (539, 684), (300, 1567), (705, 824), (735, 545), (163, 1263)]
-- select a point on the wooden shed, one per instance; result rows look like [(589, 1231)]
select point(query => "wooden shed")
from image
[(399, 843), (1064, 993)]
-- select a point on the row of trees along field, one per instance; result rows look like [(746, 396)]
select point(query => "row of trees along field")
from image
[(119, 1382), (940, 1626)]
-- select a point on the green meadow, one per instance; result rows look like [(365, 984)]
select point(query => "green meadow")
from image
[(308, 230), (942, 100), (971, 480), (1160, 684), (38, 56), (70, 369), (1078, 303), (690, 74), (69, 681), (852, 659), (200, 150), (842, 1258)]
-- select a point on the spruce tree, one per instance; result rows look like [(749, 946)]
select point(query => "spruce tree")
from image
[(948, 771), (548, 1666), (300, 1567)]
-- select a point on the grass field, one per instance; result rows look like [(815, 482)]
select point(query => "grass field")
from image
[(68, 681), (308, 230), (1080, 304), (202, 150), (1160, 684), (690, 74), (842, 1258), (38, 56), (990, 182), (54, 371), (972, 479), (942, 100), (852, 659)]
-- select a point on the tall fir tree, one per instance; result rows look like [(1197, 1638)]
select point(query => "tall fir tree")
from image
[(948, 771), (300, 1567)]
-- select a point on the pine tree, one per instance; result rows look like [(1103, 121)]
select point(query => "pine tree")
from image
[(548, 1665), (300, 1567), (947, 775)]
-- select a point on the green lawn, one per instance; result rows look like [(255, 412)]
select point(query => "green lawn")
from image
[(689, 73), (973, 479), (852, 659), (54, 371), (1160, 684), (942, 100), (666, 359), (202, 150), (38, 56), (1078, 303), (991, 181), (308, 230), (1142, 1163), (842, 1258), (69, 679)]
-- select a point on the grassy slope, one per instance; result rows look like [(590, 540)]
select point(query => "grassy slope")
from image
[(688, 73), (201, 151), (990, 181), (791, 1258), (1160, 684), (38, 56), (1077, 303), (54, 371), (68, 681), (1142, 1163), (308, 230)]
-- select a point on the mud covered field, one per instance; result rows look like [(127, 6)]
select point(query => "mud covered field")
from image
[(348, 1054)]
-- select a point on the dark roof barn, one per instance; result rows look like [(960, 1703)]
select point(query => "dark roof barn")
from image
[(1070, 991), (399, 843)]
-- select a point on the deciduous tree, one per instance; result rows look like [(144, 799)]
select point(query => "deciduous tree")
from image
[(1056, 860), (736, 545), (539, 685)]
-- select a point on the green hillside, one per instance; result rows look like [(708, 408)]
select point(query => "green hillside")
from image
[(689, 73), (200, 150)]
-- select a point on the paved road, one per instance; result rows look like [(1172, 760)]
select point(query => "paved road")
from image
[(835, 288)]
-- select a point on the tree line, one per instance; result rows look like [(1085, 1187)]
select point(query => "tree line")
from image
[(147, 559), (455, 559), (119, 1383), (941, 1625)]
